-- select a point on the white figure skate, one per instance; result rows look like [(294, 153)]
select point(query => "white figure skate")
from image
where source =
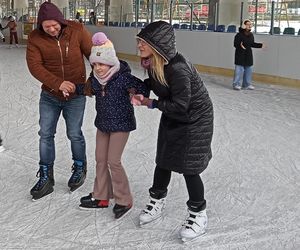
[(153, 211), (194, 226)]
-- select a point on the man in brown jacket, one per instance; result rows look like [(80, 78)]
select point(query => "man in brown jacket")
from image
[(54, 56)]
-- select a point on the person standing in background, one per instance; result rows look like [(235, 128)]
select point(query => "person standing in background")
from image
[(92, 18), (1, 34), (13, 33), (243, 43)]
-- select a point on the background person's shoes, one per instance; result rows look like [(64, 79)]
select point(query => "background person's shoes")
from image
[(250, 87), (237, 87)]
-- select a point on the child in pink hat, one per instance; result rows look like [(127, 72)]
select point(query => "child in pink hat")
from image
[(113, 84)]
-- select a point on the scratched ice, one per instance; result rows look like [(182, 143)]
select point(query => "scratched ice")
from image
[(252, 183)]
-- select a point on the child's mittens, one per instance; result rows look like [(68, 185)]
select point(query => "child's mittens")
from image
[(147, 102), (136, 100)]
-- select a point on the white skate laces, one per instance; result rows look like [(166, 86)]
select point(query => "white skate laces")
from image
[(194, 225), (152, 211)]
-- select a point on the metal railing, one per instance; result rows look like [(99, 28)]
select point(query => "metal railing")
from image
[(269, 17)]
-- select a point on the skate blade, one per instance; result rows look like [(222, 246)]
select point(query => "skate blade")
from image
[(90, 208), (191, 240), (39, 198), (72, 189), (152, 223)]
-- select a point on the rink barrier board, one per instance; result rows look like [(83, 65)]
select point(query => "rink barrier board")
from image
[(262, 78)]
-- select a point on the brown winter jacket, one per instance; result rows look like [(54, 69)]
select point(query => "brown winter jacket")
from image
[(52, 60), (12, 25)]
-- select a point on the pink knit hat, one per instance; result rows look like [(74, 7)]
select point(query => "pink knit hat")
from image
[(103, 50)]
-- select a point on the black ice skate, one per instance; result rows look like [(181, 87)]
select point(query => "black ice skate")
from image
[(120, 211), (88, 202), (78, 176), (45, 184)]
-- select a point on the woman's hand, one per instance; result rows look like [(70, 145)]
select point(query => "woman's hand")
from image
[(136, 100), (242, 46), (147, 102)]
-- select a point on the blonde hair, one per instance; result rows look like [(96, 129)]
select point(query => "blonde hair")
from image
[(157, 67)]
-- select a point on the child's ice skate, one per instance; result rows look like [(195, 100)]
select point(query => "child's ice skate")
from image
[(153, 211), (88, 202), (194, 226), (121, 211)]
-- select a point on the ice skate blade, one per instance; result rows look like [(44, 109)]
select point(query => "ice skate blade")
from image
[(90, 208), (72, 189), (191, 240), (152, 223), (40, 197)]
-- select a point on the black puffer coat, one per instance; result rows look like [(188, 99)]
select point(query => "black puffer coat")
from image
[(186, 125), (244, 57)]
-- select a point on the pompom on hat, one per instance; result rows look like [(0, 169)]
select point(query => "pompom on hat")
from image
[(103, 50)]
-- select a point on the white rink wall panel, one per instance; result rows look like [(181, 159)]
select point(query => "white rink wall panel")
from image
[(216, 49)]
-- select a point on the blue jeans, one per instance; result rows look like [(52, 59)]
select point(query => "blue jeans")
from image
[(72, 111), (245, 72)]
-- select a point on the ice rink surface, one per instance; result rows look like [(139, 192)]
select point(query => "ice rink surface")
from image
[(252, 184)]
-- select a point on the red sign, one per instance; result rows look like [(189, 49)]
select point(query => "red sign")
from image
[(260, 9), (201, 12)]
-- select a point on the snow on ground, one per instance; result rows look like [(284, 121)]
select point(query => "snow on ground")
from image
[(252, 183)]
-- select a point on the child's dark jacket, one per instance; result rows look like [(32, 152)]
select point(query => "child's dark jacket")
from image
[(115, 113)]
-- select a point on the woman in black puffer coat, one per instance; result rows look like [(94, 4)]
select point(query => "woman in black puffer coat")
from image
[(243, 58), (186, 125)]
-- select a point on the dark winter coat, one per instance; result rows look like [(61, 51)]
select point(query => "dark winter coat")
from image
[(186, 124), (244, 57), (115, 113)]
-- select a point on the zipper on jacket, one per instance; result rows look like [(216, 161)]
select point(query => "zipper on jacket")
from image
[(67, 49), (62, 62), (61, 59)]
